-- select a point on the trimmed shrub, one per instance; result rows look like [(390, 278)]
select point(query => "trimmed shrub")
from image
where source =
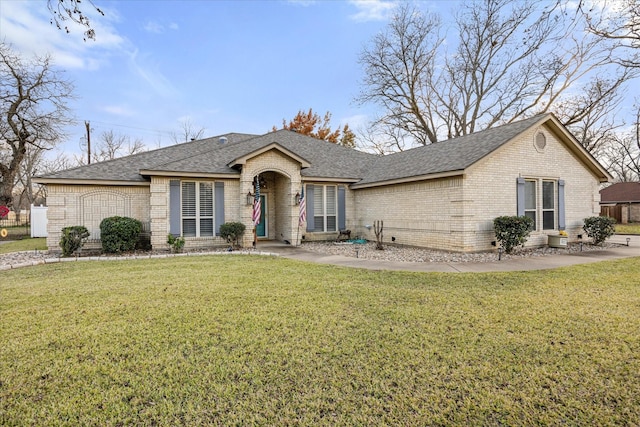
[(512, 231), (73, 239), (599, 228), (176, 243), (119, 234), (232, 231)]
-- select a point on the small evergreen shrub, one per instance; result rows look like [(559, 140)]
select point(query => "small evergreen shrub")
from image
[(512, 231), (232, 231), (176, 243), (73, 239), (119, 234), (599, 228)]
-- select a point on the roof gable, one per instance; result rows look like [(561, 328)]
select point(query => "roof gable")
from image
[(273, 146), (455, 156)]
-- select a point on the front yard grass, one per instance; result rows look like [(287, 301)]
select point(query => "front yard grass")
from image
[(27, 244), (244, 340)]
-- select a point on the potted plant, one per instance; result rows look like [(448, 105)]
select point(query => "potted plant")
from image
[(559, 240)]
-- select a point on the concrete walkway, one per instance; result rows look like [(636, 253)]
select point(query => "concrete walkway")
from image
[(519, 264)]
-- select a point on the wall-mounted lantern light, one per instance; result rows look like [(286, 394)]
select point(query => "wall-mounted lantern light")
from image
[(250, 198), (296, 199)]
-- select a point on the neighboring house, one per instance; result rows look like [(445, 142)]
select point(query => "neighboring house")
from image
[(442, 196), (621, 201)]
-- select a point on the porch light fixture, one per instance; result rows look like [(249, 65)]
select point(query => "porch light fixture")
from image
[(250, 198), (296, 199)]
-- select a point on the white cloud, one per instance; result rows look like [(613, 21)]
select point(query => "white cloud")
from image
[(372, 10), (154, 27), (158, 28), (27, 27), (150, 74), (303, 3), (119, 110), (355, 122)]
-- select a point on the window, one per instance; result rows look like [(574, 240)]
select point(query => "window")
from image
[(197, 209), (325, 208), (545, 208), (548, 205), (530, 201)]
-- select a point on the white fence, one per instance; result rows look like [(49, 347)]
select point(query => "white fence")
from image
[(38, 221)]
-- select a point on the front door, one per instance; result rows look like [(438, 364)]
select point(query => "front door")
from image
[(261, 229)]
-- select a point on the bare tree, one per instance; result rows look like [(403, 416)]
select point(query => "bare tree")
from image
[(111, 146), (621, 154), (512, 60), (70, 10), (33, 97), (618, 21), (188, 132)]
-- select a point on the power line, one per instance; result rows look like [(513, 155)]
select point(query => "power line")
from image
[(156, 131)]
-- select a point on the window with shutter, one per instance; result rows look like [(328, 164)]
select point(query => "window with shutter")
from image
[(542, 203), (197, 209)]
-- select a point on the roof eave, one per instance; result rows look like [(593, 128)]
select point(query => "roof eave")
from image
[(329, 179), (150, 172), (426, 177), (67, 181)]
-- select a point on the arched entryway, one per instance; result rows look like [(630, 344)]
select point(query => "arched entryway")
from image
[(278, 210)]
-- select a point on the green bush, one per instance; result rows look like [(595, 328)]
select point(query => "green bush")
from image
[(72, 239), (119, 234), (599, 228), (512, 231), (232, 231), (176, 243)]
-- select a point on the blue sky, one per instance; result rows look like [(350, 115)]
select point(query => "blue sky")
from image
[(227, 66)]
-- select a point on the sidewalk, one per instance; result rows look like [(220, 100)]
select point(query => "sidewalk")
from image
[(520, 264)]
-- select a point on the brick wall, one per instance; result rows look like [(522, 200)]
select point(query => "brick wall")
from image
[(88, 205), (426, 213), (490, 188)]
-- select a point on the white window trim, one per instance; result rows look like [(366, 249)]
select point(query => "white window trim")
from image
[(197, 216), (539, 204)]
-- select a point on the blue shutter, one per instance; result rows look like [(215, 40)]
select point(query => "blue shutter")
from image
[(342, 210), (219, 203), (561, 218), (309, 196), (174, 207), (520, 191)]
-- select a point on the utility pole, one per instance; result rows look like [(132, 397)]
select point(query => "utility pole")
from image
[(86, 123)]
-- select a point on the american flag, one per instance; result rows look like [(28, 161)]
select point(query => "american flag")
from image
[(302, 217), (257, 205)]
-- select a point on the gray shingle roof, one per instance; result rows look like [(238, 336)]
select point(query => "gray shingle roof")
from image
[(452, 155), (209, 156), (327, 160), (127, 168)]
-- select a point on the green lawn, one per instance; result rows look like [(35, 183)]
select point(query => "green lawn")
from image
[(248, 340), (632, 228), (26, 244)]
